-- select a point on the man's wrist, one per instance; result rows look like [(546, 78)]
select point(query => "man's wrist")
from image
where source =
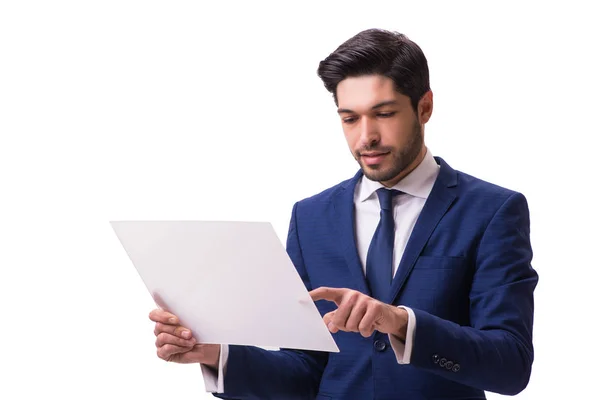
[(212, 359), (215, 364), (401, 323)]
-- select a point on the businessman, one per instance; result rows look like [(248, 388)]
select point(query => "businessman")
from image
[(422, 273)]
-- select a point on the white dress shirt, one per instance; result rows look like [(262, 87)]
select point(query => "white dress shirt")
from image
[(415, 188)]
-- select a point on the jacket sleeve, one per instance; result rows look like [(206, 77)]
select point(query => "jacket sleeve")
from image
[(495, 352), (255, 373)]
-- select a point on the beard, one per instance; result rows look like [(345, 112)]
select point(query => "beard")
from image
[(400, 158)]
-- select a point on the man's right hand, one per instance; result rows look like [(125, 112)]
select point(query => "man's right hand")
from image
[(176, 343)]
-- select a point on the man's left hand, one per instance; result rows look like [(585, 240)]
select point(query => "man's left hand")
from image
[(358, 312)]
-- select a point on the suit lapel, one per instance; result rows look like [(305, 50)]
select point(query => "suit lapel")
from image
[(439, 201), (345, 223)]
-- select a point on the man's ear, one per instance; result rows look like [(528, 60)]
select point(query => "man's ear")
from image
[(425, 107)]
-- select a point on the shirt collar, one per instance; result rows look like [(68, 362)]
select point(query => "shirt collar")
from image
[(418, 183)]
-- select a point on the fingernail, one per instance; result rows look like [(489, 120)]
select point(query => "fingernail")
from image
[(330, 326), (186, 334), (172, 320)]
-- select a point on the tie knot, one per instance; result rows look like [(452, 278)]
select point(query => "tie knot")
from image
[(385, 197)]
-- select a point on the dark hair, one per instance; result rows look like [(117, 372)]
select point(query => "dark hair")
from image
[(378, 52)]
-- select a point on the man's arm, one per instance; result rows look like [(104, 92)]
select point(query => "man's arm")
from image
[(495, 353)]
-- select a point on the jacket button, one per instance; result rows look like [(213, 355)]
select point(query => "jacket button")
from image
[(443, 362), (435, 358), (449, 365), (456, 368), (380, 345)]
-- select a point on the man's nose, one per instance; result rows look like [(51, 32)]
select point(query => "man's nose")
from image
[(369, 135)]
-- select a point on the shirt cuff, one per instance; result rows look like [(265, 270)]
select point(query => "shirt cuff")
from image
[(214, 382), (403, 350)]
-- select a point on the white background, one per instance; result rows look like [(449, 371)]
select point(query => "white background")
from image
[(192, 110)]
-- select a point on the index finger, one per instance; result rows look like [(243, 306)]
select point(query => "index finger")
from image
[(158, 315), (328, 293)]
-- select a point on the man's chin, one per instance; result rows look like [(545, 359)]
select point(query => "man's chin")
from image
[(376, 173)]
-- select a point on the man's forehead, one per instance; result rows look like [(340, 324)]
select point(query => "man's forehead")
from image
[(365, 92)]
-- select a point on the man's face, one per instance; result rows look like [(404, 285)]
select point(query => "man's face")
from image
[(381, 128)]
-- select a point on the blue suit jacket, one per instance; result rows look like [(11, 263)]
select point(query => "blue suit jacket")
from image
[(465, 272)]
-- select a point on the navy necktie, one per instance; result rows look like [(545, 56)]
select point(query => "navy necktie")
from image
[(381, 249)]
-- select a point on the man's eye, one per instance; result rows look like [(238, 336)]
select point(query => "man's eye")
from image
[(349, 120), (386, 115)]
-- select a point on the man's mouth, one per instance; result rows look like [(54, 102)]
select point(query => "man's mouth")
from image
[(373, 157)]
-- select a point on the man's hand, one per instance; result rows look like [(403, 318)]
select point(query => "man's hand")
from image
[(175, 342), (358, 312)]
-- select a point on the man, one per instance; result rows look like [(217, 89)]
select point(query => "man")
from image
[(421, 272)]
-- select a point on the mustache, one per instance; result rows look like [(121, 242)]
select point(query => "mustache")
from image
[(374, 149)]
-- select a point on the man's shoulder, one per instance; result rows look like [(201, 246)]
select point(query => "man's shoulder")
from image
[(480, 192), (468, 183), (477, 185), (472, 183)]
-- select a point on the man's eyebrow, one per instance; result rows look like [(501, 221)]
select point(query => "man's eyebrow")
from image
[(376, 106)]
